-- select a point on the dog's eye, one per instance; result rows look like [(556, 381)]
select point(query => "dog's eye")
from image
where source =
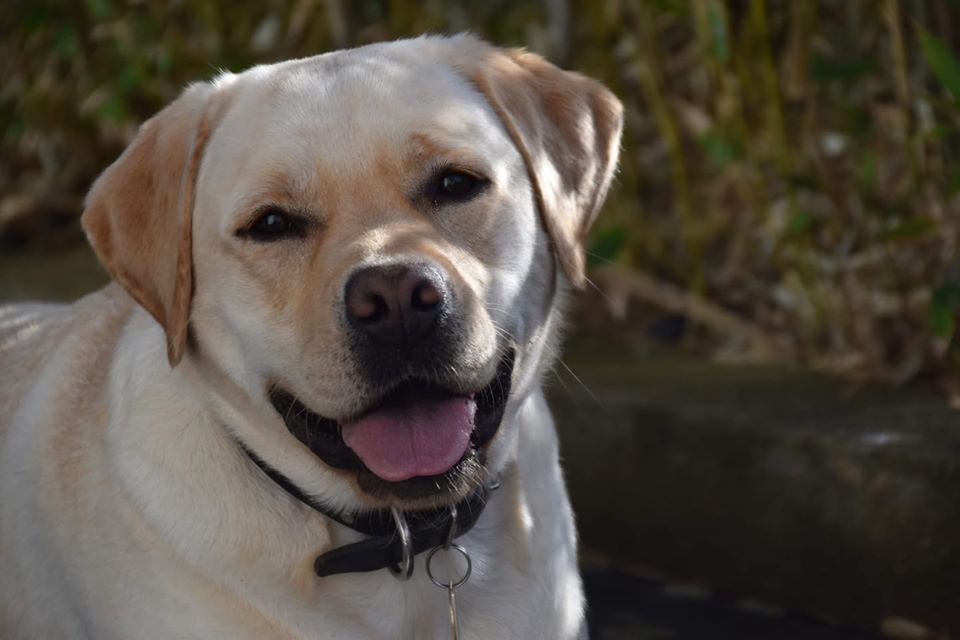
[(456, 186), (273, 224)]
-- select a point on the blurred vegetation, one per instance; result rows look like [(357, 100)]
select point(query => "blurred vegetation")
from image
[(790, 175)]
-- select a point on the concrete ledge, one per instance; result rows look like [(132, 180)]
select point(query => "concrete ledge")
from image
[(769, 483)]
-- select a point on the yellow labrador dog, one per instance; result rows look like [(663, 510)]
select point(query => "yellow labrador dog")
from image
[(338, 283)]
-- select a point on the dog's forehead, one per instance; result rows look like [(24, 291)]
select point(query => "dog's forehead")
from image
[(338, 111), (371, 88)]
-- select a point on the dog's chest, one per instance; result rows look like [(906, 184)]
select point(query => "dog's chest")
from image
[(501, 604)]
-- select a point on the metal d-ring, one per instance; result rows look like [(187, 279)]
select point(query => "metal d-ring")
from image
[(453, 584), (404, 570)]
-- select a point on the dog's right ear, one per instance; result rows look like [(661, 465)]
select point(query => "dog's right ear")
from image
[(138, 214)]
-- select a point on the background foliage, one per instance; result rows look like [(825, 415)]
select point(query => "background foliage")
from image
[(790, 176)]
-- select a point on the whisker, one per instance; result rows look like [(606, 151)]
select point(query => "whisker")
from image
[(582, 384)]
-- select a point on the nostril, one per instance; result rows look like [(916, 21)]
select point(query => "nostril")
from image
[(425, 296), (370, 308), (366, 297)]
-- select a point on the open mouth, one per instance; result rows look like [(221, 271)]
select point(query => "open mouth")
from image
[(418, 439)]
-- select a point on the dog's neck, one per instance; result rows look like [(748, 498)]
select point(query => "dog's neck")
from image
[(395, 537)]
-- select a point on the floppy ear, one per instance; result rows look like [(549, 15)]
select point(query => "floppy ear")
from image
[(567, 128), (138, 213)]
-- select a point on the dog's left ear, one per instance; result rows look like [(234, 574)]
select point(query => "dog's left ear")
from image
[(567, 128), (138, 215)]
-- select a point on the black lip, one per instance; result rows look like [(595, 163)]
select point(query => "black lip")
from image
[(322, 435)]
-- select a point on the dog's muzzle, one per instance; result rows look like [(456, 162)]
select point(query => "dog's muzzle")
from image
[(418, 439)]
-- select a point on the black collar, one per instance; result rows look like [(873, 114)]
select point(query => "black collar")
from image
[(428, 529)]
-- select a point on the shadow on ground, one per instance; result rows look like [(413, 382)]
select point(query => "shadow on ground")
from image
[(624, 607)]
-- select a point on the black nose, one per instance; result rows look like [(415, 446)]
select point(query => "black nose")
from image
[(396, 305)]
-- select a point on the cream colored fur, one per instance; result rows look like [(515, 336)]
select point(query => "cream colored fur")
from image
[(127, 510)]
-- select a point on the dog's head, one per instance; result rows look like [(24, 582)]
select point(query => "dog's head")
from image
[(365, 243)]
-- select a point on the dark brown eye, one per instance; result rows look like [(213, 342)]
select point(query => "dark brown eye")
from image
[(273, 224), (457, 186)]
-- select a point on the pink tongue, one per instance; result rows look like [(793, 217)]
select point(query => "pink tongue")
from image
[(423, 438)]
